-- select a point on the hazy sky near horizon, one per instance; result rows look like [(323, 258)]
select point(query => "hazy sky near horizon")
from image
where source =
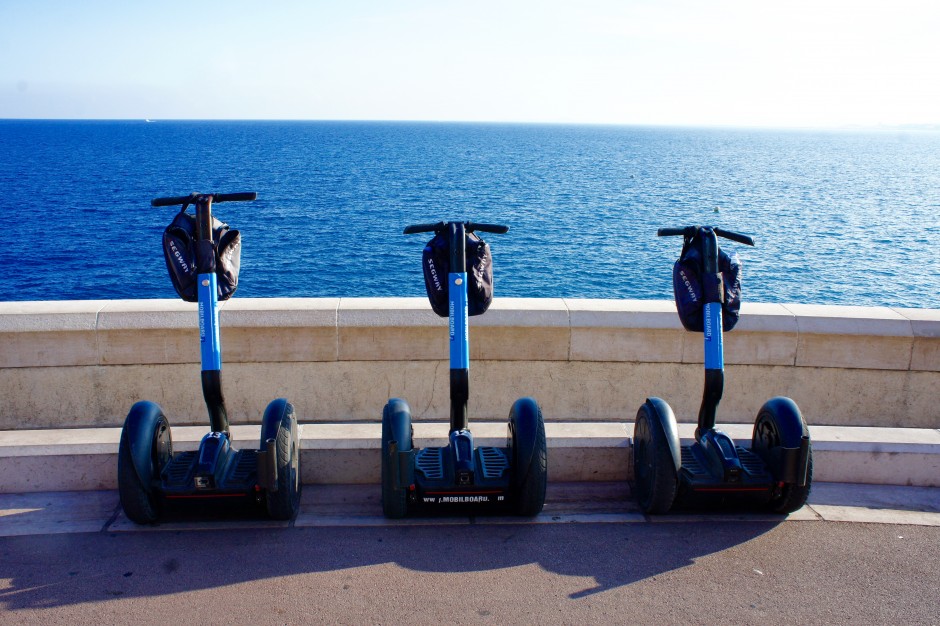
[(664, 62)]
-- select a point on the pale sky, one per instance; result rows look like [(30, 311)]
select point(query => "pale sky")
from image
[(663, 62)]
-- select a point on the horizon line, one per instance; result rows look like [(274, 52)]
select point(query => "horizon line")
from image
[(889, 127)]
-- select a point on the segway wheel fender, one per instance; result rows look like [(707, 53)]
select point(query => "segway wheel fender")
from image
[(397, 437), (780, 425), (656, 456), (146, 447), (529, 456), (280, 423)]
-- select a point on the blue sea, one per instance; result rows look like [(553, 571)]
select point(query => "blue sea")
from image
[(840, 217)]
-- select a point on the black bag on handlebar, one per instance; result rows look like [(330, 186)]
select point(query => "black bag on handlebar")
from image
[(436, 263), (688, 284), (179, 250)]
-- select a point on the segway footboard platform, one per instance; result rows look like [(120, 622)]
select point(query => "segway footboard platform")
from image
[(740, 478), (443, 485), (187, 477)]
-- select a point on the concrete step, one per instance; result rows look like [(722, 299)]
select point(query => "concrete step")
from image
[(86, 459), (43, 513)]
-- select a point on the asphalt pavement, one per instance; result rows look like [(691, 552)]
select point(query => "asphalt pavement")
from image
[(809, 572), (72, 558)]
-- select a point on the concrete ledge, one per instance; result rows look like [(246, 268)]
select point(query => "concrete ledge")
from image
[(86, 459), (568, 391), (83, 363)]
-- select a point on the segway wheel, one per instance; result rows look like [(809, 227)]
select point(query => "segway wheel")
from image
[(145, 448), (397, 428), (284, 503), (780, 423), (654, 471), (529, 454)]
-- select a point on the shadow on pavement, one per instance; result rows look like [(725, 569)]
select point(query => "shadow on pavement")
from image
[(66, 569)]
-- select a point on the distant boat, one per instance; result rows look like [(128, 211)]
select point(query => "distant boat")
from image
[(149, 121)]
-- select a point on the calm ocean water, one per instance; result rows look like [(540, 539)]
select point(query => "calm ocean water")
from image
[(839, 217)]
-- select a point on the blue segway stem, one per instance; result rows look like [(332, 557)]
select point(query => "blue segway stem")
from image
[(459, 316), (459, 331), (713, 335), (209, 337), (209, 340)]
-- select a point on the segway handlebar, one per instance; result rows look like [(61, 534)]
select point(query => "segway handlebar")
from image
[(424, 228), (727, 234), (216, 198), (689, 231), (498, 229), (468, 226)]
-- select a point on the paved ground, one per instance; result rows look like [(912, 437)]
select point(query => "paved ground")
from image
[(581, 562)]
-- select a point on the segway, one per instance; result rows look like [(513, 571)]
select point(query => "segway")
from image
[(203, 256), (777, 471), (460, 476)]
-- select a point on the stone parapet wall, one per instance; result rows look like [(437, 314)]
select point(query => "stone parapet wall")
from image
[(83, 363)]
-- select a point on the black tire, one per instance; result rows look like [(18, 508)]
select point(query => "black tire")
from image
[(529, 457), (654, 471), (781, 424), (396, 426), (138, 499), (284, 503)]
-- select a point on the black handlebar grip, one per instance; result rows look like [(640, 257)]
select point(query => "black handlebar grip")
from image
[(487, 228), (424, 228), (727, 234), (171, 201), (243, 196), (670, 232)]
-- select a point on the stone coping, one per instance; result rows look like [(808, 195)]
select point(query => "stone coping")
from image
[(158, 314), (54, 442), (58, 441), (126, 332)]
